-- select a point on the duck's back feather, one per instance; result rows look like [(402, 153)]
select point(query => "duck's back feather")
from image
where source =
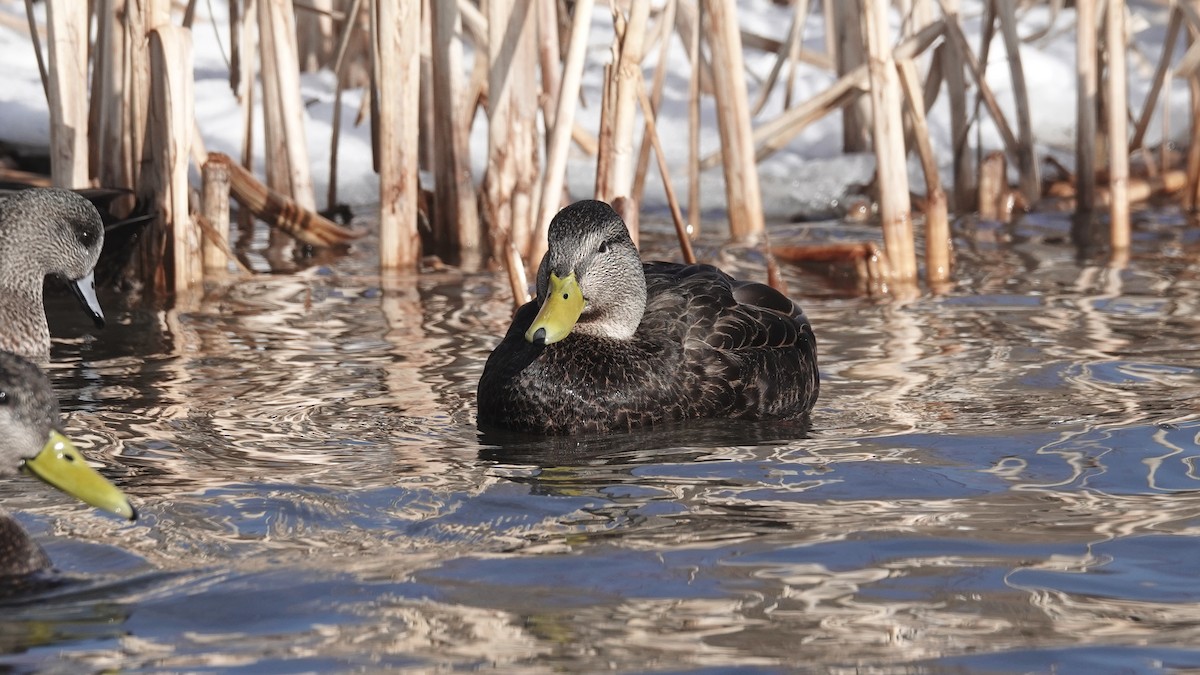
[(707, 346), (19, 553)]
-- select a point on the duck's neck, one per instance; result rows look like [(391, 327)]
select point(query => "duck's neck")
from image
[(23, 328), (19, 273)]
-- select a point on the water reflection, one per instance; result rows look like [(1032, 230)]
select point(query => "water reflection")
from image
[(1008, 469), (656, 444)]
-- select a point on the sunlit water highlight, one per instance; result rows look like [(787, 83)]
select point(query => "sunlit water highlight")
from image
[(1002, 479)]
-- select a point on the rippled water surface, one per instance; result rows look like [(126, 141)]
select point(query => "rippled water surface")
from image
[(1001, 479)]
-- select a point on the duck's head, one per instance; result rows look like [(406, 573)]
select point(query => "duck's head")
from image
[(32, 440), (53, 231), (590, 280)]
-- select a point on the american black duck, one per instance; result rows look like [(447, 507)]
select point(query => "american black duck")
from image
[(612, 343), (32, 441), (44, 231)]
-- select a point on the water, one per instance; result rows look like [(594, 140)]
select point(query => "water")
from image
[(1002, 479)]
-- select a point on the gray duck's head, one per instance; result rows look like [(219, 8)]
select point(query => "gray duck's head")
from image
[(51, 231), (32, 439), (591, 280)]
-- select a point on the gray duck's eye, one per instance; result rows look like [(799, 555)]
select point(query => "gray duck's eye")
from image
[(5, 399), (86, 236), (603, 247)]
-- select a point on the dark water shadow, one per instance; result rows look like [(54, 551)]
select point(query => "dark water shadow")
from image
[(53, 608), (679, 442)]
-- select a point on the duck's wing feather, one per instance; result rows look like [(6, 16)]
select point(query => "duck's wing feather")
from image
[(749, 351), (722, 312)]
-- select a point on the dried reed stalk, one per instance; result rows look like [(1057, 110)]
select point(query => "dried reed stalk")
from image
[(1118, 126), (140, 17), (279, 211), (787, 51), (920, 16), (952, 59), (685, 242), (475, 93), (1027, 166), (774, 278), (757, 41), (1140, 189), (314, 31), (1191, 58), (955, 34), (869, 262), (396, 55), (920, 13), (67, 35), (1191, 196), (286, 155), (849, 53), (214, 199), (560, 134), (112, 161), (518, 283), (742, 194), (287, 149), (339, 63), (172, 110), (512, 119), (891, 170), (693, 46), (212, 237), (793, 60), (615, 168), (937, 223), (246, 27), (772, 136), (456, 227), (1085, 110), (1160, 76), (549, 57), (656, 88), (36, 37), (30, 178), (994, 199), (426, 138)]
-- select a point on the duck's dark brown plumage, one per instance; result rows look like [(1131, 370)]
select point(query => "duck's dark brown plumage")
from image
[(707, 345)]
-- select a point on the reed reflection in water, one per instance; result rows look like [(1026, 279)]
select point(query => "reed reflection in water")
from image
[(999, 479)]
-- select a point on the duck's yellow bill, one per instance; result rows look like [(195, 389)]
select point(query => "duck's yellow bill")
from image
[(61, 465), (564, 303)]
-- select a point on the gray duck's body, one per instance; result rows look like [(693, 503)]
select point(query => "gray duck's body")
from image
[(32, 441), (652, 342), (42, 232)]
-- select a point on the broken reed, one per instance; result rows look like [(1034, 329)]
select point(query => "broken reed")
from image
[(529, 58)]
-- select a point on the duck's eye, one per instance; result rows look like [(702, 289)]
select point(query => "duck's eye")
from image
[(4, 397), (604, 247), (87, 236)]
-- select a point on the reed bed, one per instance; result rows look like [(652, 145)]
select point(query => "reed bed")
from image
[(421, 100)]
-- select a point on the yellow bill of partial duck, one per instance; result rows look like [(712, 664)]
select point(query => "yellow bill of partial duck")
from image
[(63, 467), (561, 309)]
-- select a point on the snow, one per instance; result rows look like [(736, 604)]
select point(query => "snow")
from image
[(806, 175)]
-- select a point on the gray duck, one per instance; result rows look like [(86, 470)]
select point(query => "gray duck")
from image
[(612, 343), (44, 231), (32, 441)]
